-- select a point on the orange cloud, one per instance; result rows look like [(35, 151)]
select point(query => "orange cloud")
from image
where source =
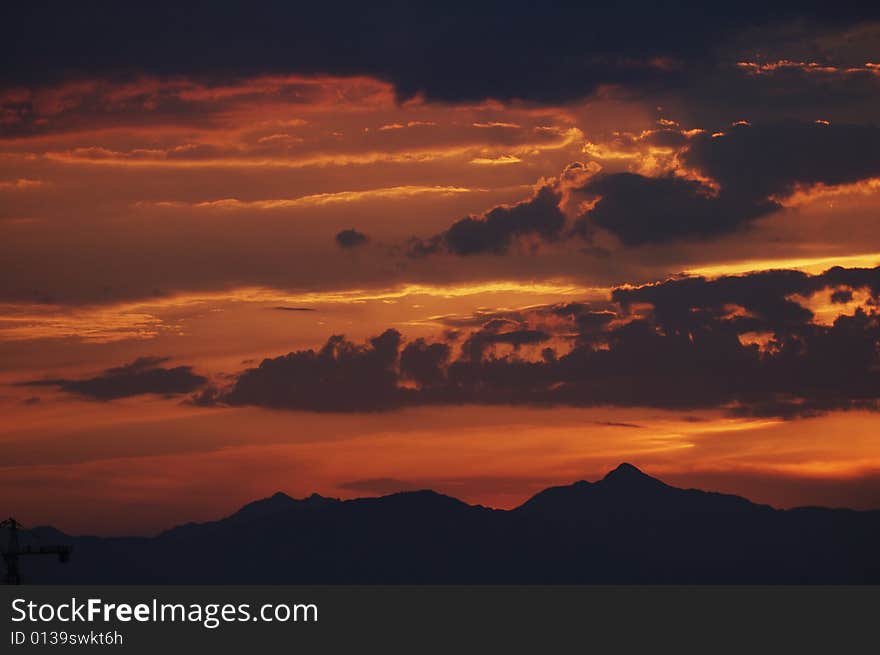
[(21, 184), (314, 200), (495, 161), (763, 68), (806, 264), (805, 194)]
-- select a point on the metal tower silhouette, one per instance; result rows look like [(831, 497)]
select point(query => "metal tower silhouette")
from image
[(14, 551)]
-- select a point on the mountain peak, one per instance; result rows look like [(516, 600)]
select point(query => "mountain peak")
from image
[(318, 499), (627, 476), (625, 471)]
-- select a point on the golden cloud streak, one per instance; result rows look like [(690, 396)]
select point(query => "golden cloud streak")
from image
[(314, 200), (400, 126), (807, 194), (157, 158), (763, 68), (805, 264), (20, 184), (144, 319), (547, 287), (80, 156), (490, 124), (93, 325), (489, 161)]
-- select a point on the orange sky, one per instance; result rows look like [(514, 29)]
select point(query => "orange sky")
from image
[(171, 217)]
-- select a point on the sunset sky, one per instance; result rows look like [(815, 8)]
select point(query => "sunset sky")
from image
[(483, 251)]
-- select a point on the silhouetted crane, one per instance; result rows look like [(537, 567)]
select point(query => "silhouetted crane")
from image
[(14, 551)]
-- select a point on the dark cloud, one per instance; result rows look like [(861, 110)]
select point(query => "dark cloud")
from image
[(754, 167), (341, 376), (293, 309), (510, 49), (740, 344), (495, 231), (640, 210), (799, 91), (763, 297), (351, 238), (142, 376), (481, 341), (618, 424), (744, 173), (755, 162), (424, 363)]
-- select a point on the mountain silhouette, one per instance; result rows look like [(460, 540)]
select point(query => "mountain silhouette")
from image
[(626, 492), (627, 528)]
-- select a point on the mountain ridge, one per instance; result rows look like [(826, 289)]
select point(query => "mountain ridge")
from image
[(627, 527)]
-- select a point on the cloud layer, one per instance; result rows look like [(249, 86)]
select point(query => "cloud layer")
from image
[(749, 344), (546, 53), (712, 185)]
